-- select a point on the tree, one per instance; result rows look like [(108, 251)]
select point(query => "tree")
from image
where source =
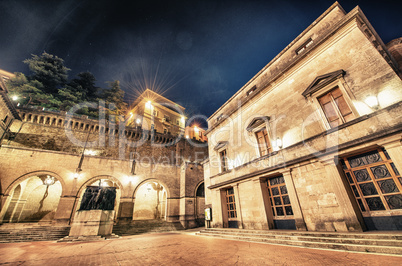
[(114, 99), (85, 84), (27, 92), (48, 87), (49, 70)]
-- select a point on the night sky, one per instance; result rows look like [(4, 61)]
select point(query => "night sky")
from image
[(198, 53)]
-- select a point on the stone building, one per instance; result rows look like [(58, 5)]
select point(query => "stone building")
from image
[(46, 165), (152, 111), (195, 132), (313, 140)]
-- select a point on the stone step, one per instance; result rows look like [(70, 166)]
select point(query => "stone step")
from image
[(349, 240), (397, 235), (386, 246), (25, 233), (145, 226), (337, 246)]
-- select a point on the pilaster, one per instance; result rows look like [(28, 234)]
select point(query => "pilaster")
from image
[(294, 200)]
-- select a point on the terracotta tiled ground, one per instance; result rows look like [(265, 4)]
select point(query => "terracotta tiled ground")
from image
[(178, 249)]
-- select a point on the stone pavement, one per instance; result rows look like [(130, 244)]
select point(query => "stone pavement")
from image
[(177, 248)]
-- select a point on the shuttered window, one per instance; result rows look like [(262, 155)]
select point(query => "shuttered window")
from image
[(224, 165), (263, 142), (336, 110)]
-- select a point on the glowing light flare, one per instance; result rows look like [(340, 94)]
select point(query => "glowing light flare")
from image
[(14, 97), (130, 179), (138, 121), (389, 96), (148, 105), (49, 180), (90, 152), (372, 102)]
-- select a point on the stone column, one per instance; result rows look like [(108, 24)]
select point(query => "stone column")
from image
[(220, 210), (126, 209), (352, 218), (394, 149), (64, 210), (262, 201), (294, 200)]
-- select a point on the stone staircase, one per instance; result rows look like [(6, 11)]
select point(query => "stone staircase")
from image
[(389, 242), (87, 238), (27, 232), (145, 226)]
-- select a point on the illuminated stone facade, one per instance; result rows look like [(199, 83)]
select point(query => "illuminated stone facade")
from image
[(157, 175), (152, 111), (313, 140)]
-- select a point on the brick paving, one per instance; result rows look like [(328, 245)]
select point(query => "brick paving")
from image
[(178, 249)]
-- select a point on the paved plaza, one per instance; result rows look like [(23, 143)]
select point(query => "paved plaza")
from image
[(178, 249)]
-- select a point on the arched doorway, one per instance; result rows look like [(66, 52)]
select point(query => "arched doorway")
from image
[(150, 201), (35, 199), (200, 204), (103, 181)]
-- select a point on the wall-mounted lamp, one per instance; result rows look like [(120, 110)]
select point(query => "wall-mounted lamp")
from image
[(77, 173), (372, 102), (48, 180), (277, 144)]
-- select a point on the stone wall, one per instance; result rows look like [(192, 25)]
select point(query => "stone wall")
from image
[(308, 156)]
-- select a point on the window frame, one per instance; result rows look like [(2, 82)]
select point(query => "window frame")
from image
[(346, 93), (281, 195), (229, 202), (355, 185), (223, 160), (267, 141)]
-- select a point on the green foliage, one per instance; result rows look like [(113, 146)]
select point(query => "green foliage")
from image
[(114, 99), (85, 83), (48, 70), (48, 87)]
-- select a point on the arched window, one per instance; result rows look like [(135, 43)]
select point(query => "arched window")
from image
[(200, 191)]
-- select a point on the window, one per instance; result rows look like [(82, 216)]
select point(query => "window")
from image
[(263, 142), (335, 108), (177, 122), (250, 91), (156, 113), (278, 196), (200, 191), (230, 203), (164, 131), (304, 46), (166, 118), (223, 157), (374, 180)]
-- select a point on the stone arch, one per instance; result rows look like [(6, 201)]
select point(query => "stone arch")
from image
[(29, 199), (90, 181), (150, 200), (199, 205)]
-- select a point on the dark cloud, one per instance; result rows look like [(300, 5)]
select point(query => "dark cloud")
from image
[(198, 53)]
